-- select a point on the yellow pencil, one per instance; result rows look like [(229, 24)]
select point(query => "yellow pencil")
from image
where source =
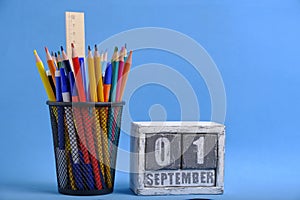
[(43, 75), (98, 74), (91, 72), (98, 128)]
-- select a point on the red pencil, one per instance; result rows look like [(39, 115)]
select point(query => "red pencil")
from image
[(78, 76), (84, 130)]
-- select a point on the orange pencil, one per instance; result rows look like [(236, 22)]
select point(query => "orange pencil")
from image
[(53, 58), (51, 65), (125, 75)]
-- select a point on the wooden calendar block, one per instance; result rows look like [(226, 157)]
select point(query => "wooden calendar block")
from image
[(163, 151), (199, 151), (177, 158)]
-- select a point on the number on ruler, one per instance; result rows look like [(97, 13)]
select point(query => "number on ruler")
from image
[(200, 150), (162, 151)]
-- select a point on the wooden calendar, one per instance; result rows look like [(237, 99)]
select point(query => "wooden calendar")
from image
[(177, 158)]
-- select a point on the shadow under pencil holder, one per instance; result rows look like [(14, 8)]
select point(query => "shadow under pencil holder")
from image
[(85, 137)]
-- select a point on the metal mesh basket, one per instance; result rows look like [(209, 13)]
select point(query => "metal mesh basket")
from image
[(85, 137)]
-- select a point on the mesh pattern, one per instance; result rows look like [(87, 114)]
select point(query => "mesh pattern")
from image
[(85, 141), (114, 125)]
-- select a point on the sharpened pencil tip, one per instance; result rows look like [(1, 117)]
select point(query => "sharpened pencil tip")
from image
[(34, 52), (96, 48), (116, 49), (46, 49), (61, 48), (58, 52), (52, 53), (89, 47), (55, 55), (72, 45)]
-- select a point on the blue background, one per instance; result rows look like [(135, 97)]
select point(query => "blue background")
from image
[(255, 45)]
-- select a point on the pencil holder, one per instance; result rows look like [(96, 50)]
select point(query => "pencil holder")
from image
[(85, 137)]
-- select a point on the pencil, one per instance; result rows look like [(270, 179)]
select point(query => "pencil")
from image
[(61, 131), (59, 60), (104, 62), (84, 78), (71, 140), (92, 79), (125, 53), (51, 64), (115, 67), (43, 75), (50, 80), (93, 94), (125, 75), (54, 59), (78, 75), (103, 118), (107, 82), (65, 61), (78, 121), (98, 74), (120, 73)]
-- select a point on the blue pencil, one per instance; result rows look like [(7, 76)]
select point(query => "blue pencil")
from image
[(85, 164), (84, 78), (115, 68), (60, 111), (60, 151), (71, 131)]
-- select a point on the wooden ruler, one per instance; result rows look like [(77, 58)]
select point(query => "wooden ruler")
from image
[(75, 33)]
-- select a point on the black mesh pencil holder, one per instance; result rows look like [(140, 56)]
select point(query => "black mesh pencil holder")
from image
[(85, 137)]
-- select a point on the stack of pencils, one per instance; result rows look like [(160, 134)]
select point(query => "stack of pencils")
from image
[(94, 87), (85, 137)]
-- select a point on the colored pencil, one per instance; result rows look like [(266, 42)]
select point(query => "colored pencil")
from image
[(66, 61), (84, 78), (98, 74), (125, 75), (59, 60), (107, 82), (51, 80), (51, 64), (120, 73), (95, 111), (43, 75), (115, 68), (79, 124), (104, 62), (54, 59), (78, 76), (61, 131), (125, 53), (92, 78), (71, 139)]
